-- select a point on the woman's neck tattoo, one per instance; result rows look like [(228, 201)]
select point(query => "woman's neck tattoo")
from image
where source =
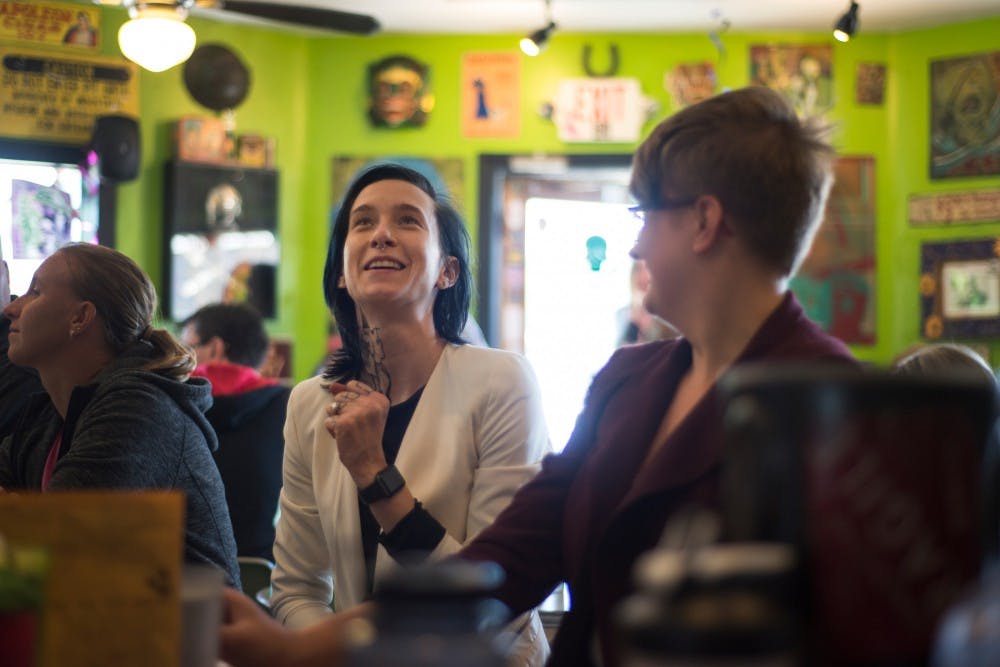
[(373, 354)]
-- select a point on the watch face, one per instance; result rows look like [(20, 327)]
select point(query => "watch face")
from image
[(387, 483)]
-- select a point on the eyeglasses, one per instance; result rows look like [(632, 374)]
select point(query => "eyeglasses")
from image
[(641, 211)]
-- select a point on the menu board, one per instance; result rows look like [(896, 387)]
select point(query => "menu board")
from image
[(56, 96)]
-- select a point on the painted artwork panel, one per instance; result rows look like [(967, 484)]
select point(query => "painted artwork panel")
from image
[(803, 74), (965, 116), (836, 282), (689, 83), (960, 289), (869, 84), (970, 289), (491, 94), (42, 218)]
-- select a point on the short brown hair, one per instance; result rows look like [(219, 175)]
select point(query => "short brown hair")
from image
[(771, 171)]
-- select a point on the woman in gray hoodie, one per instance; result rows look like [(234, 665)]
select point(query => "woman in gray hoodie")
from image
[(119, 410)]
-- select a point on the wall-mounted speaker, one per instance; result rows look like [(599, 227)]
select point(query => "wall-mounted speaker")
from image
[(116, 142)]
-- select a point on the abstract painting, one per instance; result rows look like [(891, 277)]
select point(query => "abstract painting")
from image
[(803, 74), (836, 282), (965, 116)]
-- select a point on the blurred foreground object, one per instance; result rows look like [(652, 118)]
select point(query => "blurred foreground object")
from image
[(880, 482), (437, 615)]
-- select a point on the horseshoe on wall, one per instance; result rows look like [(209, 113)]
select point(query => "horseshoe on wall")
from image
[(612, 67)]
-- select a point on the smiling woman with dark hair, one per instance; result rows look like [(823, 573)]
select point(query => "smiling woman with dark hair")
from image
[(412, 441)]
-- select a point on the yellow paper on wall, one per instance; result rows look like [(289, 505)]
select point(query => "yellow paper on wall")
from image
[(111, 592)]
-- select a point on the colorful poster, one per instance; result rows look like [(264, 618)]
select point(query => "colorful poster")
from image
[(491, 94), (56, 97), (803, 74), (870, 84), (689, 83), (42, 218), (51, 23), (836, 282), (600, 110), (965, 116)]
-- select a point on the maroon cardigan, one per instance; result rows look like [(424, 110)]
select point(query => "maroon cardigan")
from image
[(591, 512)]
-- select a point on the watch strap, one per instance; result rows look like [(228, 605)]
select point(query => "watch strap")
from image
[(388, 483)]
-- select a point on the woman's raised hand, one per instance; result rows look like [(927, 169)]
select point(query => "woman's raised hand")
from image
[(356, 419)]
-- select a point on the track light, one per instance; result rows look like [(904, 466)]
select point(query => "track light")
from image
[(533, 44), (847, 25)]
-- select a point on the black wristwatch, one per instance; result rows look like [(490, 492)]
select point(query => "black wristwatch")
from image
[(387, 483)]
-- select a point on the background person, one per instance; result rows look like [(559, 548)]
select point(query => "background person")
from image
[(248, 415), (413, 441), (942, 359), (118, 411)]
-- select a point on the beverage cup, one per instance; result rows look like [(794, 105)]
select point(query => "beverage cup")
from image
[(201, 615)]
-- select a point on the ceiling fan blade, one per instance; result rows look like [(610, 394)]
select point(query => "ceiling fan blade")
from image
[(312, 17)]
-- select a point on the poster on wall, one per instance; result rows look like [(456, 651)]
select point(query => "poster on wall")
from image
[(41, 218), (491, 94), (965, 116), (836, 282), (869, 84), (803, 74), (689, 83), (596, 110), (57, 96), (51, 23)]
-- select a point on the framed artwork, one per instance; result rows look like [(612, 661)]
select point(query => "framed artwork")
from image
[(960, 289), (491, 94), (836, 282), (399, 92), (803, 74), (689, 83), (965, 116), (869, 84)]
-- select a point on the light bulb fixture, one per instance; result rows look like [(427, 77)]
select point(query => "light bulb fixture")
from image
[(847, 25), (533, 44), (156, 37)]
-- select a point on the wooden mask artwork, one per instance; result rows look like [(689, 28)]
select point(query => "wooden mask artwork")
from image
[(398, 92)]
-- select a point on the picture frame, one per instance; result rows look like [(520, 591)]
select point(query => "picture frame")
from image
[(960, 289)]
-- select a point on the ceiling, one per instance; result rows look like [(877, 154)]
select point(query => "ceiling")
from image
[(506, 16)]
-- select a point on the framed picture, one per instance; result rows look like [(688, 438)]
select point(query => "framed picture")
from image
[(960, 289), (836, 283), (802, 73), (965, 135)]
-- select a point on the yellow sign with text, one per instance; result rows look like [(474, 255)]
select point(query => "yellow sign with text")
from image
[(52, 23), (56, 97)]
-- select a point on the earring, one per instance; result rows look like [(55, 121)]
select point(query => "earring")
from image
[(74, 332)]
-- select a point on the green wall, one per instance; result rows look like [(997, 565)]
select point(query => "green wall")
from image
[(310, 93)]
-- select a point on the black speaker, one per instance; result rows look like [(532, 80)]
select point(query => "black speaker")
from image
[(116, 142)]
